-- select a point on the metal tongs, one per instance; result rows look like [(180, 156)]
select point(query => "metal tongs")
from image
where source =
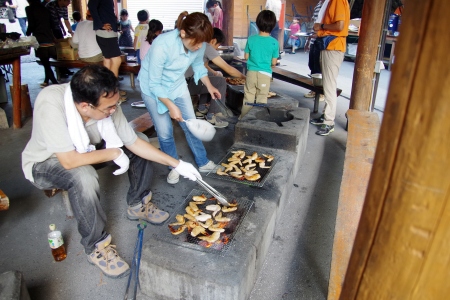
[(221, 198), (223, 108)]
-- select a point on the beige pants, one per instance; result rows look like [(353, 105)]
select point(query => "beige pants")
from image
[(256, 88), (330, 62)]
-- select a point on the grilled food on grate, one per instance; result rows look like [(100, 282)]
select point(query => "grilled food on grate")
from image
[(236, 81), (242, 166), (207, 222)]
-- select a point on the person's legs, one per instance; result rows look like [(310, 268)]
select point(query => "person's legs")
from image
[(139, 194), (219, 83), (140, 174), (23, 25), (163, 126), (330, 63), (84, 194), (184, 103), (262, 89), (111, 52), (249, 92)]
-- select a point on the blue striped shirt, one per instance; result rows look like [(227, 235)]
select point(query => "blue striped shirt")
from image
[(162, 70)]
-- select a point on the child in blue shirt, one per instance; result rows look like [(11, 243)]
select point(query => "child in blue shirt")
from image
[(261, 53)]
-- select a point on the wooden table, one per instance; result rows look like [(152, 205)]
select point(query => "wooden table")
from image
[(13, 59)]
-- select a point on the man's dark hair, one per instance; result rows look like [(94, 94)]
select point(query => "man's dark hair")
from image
[(142, 15), (266, 21), (218, 35), (76, 16), (92, 82)]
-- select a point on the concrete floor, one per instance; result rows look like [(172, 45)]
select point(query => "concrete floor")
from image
[(298, 263)]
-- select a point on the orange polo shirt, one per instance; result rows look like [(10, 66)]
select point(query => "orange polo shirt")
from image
[(337, 10)]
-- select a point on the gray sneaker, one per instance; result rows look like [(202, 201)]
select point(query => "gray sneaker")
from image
[(216, 122), (173, 177), (147, 211), (208, 167), (105, 257)]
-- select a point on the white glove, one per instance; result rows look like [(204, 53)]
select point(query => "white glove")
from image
[(218, 73), (123, 162), (187, 171)]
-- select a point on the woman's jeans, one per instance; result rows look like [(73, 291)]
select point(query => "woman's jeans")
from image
[(84, 192), (164, 128)]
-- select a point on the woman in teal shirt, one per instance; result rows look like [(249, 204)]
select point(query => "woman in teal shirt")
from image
[(164, 88)]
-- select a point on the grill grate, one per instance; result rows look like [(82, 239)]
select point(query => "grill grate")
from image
[(263, 172), (226, 238)]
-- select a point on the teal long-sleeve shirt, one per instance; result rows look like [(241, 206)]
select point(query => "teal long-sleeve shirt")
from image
[(162, 70)]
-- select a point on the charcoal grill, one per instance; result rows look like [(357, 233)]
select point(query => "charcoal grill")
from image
[(226, 238), (263, 172)]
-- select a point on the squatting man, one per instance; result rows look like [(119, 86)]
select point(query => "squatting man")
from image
[(77, 126)]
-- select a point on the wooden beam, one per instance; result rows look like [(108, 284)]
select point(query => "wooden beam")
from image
[(366, 55), (228, 23), (401, 247)]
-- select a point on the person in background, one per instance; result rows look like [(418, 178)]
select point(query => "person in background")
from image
[(85, 37), (155, 27), (215, 9), (77, 126), (164, 88), (215, 77), (58, 10), (76, 18), (20, 5), (39, 25), (314, 52), (105, 26), (140, 32), (293, 41), (332, 30), (275, 7), (261, 53), (9, 9), (125, 39)]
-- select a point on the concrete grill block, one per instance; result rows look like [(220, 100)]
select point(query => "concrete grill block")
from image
[(252, 130), (169, 271)]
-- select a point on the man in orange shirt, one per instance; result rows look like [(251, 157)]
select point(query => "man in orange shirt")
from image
[(332, 30)]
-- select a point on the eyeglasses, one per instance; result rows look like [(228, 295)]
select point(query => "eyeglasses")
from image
[(111, 109)]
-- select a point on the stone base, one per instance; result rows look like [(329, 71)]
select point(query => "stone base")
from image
[(169, 271)]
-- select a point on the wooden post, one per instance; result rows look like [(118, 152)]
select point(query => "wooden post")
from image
[(228, 16), (401, 249), (17, 121), (366, 55)]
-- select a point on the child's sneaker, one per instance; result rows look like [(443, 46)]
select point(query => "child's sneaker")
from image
[(147, 211), (105, 257)]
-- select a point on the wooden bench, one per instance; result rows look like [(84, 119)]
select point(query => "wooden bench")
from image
[(142, 124), (296, 79), (362, 139), (125, 68), (302, 81)]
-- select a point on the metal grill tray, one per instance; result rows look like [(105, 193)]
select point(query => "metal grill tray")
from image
[(186, 240), (263, 172)]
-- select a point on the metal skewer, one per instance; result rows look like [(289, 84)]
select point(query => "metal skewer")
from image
[(221, 198)]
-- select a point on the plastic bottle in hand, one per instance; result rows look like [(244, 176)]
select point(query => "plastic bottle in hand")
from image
[(56, 243)]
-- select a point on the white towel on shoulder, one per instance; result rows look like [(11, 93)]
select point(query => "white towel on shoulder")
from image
[(78, 133), (322, 11)]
